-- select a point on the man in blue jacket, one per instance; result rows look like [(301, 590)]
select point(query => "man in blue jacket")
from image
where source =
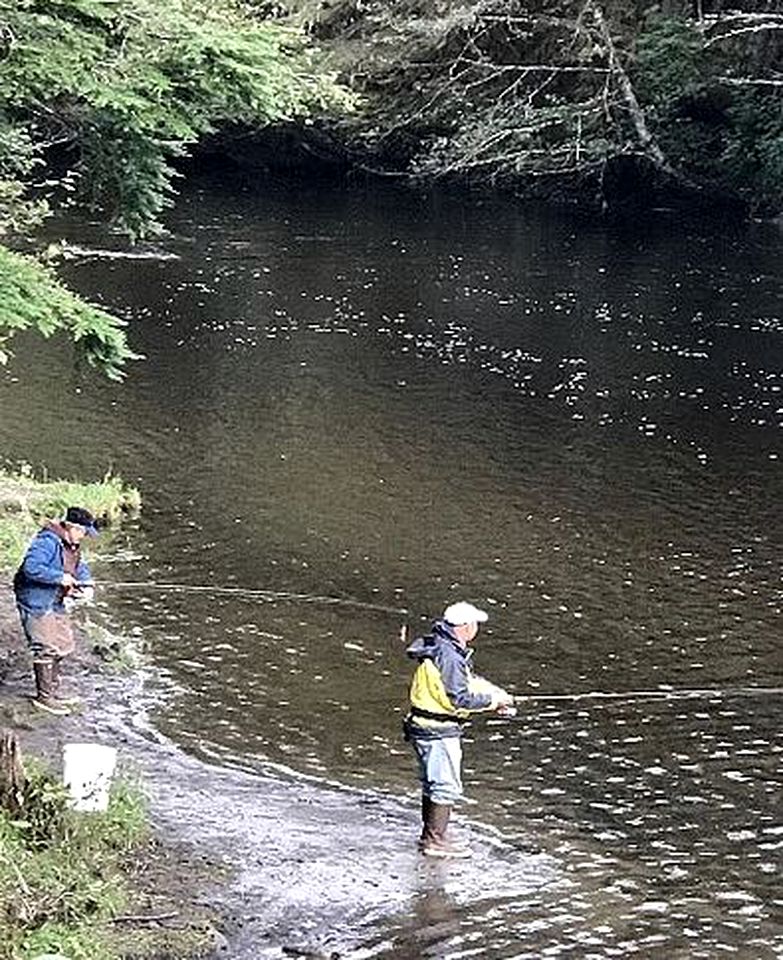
[(444, 694), (51, 577)]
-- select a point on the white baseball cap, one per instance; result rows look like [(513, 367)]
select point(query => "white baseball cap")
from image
[(460, 613)]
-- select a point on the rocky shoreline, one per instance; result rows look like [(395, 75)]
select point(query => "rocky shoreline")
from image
[(255, 866)]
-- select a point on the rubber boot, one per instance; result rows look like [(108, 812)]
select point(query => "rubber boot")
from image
[(56, 691), (426, 807), (44, 689), (426, 803), (435, 842)]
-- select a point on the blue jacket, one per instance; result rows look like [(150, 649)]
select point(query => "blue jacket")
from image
[(38, 581), (444, 691)]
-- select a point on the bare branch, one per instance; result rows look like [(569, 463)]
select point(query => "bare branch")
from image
[(743, 31), (646, 140), (750, 82), (537, 67), (718, 20), (530, 20)]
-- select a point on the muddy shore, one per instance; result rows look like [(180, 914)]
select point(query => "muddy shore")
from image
[(260, 866)]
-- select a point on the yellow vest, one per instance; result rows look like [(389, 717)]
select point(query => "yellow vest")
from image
[(428, 694)]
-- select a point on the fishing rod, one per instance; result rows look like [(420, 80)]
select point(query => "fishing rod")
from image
[(670, 693), (250, 594)]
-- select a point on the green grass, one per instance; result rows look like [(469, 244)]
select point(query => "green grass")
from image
[(62, 873), (26, 502)]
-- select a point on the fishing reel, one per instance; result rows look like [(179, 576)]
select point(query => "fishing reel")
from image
[(78, 596)]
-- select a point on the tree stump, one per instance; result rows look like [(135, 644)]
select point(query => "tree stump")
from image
[(12, 775)]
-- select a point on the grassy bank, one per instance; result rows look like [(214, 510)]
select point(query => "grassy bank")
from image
[(62, 873), (26, 501), (97, 886)]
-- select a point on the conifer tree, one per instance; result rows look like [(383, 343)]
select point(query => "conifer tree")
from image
[(98, 100)]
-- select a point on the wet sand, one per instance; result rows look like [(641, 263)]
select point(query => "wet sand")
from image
[(290, 866)]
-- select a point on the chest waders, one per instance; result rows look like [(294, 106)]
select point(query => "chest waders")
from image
[(50, 635)]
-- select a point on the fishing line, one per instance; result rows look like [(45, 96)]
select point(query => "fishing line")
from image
[(272, 595), (250, 594)]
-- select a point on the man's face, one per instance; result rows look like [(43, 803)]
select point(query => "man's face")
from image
[(466, 632), (76, 532)]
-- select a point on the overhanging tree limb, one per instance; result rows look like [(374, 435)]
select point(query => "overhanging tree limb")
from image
[(32, 298), (128, 86)]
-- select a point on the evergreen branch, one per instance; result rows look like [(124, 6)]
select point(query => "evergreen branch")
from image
[(32, 298)]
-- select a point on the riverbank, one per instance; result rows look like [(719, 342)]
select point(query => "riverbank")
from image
[(625, 109), (244, 865), (149, 879), (152, 878)]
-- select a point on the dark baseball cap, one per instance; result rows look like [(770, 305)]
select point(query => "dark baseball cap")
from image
[(84, 519)]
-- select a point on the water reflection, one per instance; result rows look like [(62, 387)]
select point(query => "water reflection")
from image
[(575, 425)]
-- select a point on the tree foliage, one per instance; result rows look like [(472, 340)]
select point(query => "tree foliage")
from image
[(714, 118), (552, 95), (98, 99), (31, 297)]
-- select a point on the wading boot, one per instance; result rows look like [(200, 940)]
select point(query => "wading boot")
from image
[(434, 841), (426, 808), (44, 689), (57, 693)]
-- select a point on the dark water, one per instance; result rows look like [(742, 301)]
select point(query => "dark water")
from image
[(399, 402)]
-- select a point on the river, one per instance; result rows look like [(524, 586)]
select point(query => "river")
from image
[(360, 405)]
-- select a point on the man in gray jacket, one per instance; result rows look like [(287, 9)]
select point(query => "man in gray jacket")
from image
[(444, 694)]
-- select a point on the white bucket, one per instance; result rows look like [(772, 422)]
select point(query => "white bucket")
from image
[(87, 772)]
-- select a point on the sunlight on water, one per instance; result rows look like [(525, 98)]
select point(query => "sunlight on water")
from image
[(577, 426)]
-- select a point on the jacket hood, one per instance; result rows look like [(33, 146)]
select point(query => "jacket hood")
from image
[(423, 647)]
